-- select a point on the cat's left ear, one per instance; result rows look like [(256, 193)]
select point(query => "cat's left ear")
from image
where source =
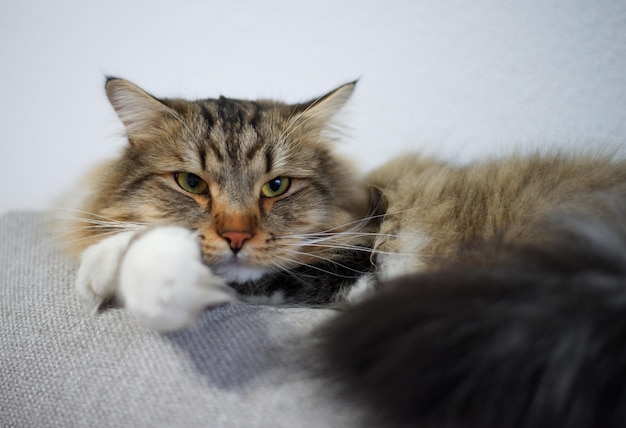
[(321, 110)]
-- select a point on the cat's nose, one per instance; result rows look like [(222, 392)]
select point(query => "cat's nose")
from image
[(236, 239)]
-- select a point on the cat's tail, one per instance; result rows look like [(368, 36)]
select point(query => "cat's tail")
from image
[(537, 339)]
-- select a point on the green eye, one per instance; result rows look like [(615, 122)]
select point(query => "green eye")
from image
[(191, 183), (275, 187)]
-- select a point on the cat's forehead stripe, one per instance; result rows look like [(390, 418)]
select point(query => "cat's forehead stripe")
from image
[(207, 116), (256, 146), (207, 141), (252, 138), (269, 160), (255, 118), (202, 156), (232, 113), (232, 132)]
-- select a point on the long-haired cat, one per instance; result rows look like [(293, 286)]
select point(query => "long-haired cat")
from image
[(218, 195), (511, 313)]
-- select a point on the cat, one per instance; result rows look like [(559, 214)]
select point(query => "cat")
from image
[(442, 266), (217, 199)]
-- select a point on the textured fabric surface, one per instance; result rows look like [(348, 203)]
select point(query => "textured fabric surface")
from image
[(240, 366)]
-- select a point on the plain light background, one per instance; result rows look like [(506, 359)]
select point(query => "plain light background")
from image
[(459, 79)]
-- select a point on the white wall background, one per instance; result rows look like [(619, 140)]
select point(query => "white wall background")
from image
[(460, 78)]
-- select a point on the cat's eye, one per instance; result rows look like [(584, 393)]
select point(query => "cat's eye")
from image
[(276, 187), (191, 183)]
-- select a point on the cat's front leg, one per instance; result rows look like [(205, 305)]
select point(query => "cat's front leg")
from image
[(158, 274), (163, 282), (97, 277)]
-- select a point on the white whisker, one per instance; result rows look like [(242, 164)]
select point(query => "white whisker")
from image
[(295, 275), (352, 248), (84, 238), (108, 219), (352, 231), (92, 226), (324, 259), (107, 228), (317, 268), (311, 239)]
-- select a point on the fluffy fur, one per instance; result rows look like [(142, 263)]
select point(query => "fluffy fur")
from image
[(502, 299), (269, 209), (518, 321)]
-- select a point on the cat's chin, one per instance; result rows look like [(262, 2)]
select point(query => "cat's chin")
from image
[(236, 272)]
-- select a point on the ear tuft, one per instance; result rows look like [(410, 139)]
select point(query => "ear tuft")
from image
[(321, 110), (136, 108)]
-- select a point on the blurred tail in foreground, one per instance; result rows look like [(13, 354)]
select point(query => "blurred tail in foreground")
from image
[(535, 336)]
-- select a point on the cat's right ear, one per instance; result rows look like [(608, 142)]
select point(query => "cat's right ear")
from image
[(137, 109), (318, 113)]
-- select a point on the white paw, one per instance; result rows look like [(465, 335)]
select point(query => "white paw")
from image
[(163, 282), (96, 280)]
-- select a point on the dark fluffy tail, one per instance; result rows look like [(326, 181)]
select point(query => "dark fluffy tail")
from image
[(535, 339)]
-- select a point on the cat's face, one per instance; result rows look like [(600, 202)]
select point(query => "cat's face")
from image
[(257, 180)]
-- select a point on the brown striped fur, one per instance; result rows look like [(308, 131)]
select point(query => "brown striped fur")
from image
[(235, 146), (431, 208), (450, 206), (512, 315)]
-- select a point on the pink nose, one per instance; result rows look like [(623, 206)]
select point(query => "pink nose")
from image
[(236, 239)]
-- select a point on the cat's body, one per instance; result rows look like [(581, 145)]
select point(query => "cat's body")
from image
[(221, 199), (515, 315), (511, 336), (433, 209)]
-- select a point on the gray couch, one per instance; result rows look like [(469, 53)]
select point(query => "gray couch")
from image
[(240, 366)]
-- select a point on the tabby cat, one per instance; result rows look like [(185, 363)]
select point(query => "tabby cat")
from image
[(512, 314)]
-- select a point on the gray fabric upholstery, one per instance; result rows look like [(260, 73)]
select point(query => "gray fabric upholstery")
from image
[(240, 366)]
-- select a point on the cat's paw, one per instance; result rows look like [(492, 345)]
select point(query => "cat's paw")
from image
[(96, 280), (163, 282)]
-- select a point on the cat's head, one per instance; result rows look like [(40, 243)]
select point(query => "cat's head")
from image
[(257, 180)]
